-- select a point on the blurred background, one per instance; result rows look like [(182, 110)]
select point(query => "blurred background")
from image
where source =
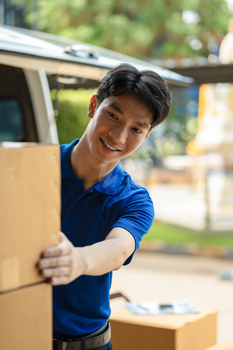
[(187, 162)]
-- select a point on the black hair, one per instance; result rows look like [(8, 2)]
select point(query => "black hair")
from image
[(147, 85)]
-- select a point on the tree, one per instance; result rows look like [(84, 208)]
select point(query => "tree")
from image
[(152, 28)]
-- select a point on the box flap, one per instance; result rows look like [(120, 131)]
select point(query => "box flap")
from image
[(163, 321)]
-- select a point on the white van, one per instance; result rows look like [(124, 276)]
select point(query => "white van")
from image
[(28, 59)]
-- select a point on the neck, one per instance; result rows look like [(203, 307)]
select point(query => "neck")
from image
[(86, 167)]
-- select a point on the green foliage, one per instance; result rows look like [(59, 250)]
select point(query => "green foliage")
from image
[(152, 28), (173, 235), (72, 118)]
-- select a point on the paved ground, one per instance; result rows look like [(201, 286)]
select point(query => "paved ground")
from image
[(164, 278), (177, 204), (180, 205)]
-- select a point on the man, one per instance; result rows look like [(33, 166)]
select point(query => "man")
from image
[(104, 213)]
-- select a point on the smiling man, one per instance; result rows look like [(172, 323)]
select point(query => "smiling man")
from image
[(104, 213)]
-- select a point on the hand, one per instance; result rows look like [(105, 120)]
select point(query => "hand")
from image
[(61, 263)]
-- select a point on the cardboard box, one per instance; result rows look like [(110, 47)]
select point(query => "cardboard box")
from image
[(26, 318), (227, 345), (163, 332), (29, 210)]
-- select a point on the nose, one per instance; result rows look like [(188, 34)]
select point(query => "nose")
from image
[(118, 134)]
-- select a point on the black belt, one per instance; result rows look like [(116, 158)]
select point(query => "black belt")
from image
[(89, 342)]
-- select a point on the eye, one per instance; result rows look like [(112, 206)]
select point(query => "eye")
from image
[(137, 130), (113, 116)]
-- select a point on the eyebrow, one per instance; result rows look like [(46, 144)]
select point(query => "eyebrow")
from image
[(143, 125), (117, 108)]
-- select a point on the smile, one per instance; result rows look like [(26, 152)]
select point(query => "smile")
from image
[(108, 146)]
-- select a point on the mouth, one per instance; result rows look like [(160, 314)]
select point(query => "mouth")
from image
[(108, 146)]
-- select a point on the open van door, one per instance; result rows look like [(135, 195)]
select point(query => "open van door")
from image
[(27, 57)]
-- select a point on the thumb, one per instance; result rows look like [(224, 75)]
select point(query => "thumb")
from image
[(62, 237)]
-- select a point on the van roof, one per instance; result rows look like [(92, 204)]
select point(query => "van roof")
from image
[(57, 55)]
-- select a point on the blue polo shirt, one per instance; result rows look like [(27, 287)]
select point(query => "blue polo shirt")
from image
[(87, 217)]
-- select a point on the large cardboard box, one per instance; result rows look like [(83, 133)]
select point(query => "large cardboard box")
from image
[(26, 318), (163, 332), (227, 345), (29, 210)]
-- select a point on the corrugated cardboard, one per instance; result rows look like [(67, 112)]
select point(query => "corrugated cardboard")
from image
[(227, 345), (29, 210), (26, 318), (163, 332)]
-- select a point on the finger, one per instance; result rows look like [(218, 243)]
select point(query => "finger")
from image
[(56, 281), (62, 248), (55, 262), (56, 272)]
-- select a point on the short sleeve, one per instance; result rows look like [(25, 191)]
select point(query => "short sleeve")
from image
[(136, 216)]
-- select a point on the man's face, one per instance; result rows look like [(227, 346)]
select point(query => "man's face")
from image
[(118, 127)]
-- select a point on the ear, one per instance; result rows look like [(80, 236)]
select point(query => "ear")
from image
[(149, 132), (92, 106)]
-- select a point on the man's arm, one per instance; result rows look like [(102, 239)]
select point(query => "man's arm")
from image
[(64, 262)]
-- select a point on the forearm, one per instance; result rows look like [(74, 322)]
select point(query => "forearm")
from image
[(102, 257)]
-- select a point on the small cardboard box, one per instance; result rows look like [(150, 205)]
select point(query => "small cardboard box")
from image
[(163, 332), (26, 318), (29, 210), (227, 345)]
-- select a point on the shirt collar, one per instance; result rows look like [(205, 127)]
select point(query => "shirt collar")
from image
[(109, 185), (112, 182)]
